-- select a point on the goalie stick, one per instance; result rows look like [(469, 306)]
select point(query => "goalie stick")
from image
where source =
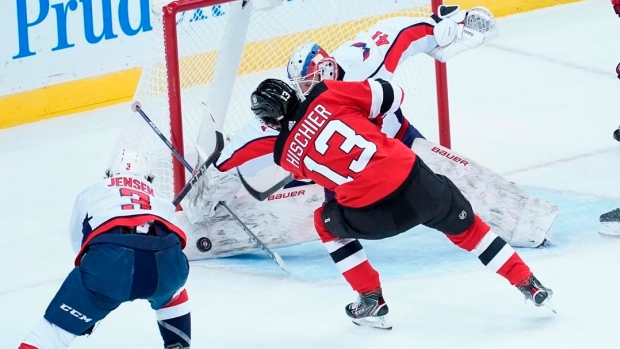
[(261, 196), (201, 170)]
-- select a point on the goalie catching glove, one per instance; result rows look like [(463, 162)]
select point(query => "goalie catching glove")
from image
[(457, 31)]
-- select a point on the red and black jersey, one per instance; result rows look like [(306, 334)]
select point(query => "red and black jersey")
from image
[(332, 141)]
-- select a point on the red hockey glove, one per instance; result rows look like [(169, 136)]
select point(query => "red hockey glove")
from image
[(616, 4)]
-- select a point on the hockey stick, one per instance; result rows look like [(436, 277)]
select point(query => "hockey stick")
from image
[(219, 146), (201, 170), (275, 256), (261, 196)]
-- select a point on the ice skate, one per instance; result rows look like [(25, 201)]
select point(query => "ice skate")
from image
[(369, 310), (533, 290), (610, 221)]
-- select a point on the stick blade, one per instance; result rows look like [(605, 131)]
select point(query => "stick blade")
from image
[(280, 262)]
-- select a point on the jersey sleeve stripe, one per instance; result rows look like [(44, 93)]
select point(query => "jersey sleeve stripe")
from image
[(251, 150), (388, 96), (392, 97), (402, 42), (376, 91), (405, 38)]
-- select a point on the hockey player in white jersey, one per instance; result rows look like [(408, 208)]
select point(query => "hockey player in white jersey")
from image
[(516, 216), (129, 246)]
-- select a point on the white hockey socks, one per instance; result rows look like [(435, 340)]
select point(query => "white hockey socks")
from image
[(46, 335)]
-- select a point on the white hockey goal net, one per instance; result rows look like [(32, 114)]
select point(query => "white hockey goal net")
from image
[(213, 52)]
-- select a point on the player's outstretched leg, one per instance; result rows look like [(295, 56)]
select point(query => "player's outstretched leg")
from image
[(453, 215), (348, 254), (501, 258)]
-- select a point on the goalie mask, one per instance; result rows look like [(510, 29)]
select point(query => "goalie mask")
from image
[(131, 163), (274, 102), (309, 65)]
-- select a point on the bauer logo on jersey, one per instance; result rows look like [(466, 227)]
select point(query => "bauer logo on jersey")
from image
[(365, 50)]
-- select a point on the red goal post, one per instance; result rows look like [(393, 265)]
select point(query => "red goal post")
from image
[(214, 53)]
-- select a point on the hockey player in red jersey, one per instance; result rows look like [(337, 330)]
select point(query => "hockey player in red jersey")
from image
[(520, 218), (374, 53), (129, 247), (382, 188)]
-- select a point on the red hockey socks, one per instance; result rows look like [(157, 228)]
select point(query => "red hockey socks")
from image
[(175, 324), (492, 251), (349, 256)]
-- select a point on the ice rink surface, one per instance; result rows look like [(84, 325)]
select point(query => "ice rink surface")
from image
[(537, 105)]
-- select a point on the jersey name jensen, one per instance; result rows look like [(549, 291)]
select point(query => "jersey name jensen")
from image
[(306, 132), (131, 183)]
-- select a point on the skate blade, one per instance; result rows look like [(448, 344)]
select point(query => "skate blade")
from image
[(609, 229), (547, 304), (378, 322)]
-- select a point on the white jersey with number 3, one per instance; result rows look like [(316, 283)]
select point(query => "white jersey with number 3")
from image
[(122, 200)]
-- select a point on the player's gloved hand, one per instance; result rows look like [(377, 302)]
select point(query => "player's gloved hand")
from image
[(457, 31), (616, 5)]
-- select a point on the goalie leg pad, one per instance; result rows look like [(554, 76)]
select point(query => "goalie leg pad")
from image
[(518, 217)]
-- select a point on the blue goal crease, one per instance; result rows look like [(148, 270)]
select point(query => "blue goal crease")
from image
[(424, 251)]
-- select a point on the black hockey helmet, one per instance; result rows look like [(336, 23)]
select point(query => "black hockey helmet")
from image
[(274, 102)]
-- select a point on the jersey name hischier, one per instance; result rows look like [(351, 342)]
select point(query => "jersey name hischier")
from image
[(129, 182), (306, 131)]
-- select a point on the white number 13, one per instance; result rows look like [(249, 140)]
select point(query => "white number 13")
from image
[(352, 139)]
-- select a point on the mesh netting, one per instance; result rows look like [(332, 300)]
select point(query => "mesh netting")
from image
[(271, 38)]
